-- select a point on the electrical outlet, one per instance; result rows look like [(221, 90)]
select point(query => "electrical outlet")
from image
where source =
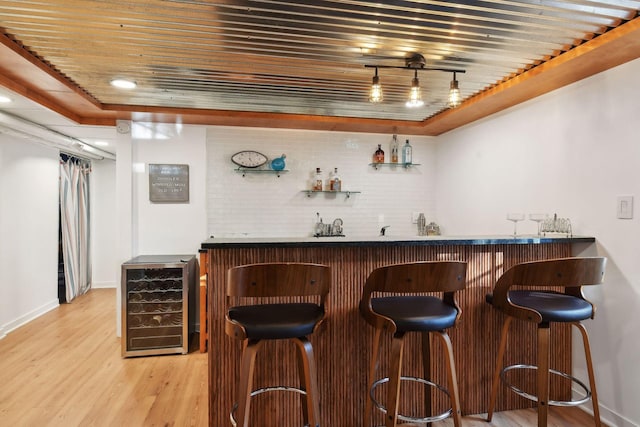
[(624, 207)]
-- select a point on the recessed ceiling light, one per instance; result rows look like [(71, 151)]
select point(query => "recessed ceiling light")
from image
[(123, 84), (4, 99), (101, 143)]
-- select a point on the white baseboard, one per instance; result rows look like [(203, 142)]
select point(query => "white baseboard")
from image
[(28, 317), (100, 285), (607, 416)]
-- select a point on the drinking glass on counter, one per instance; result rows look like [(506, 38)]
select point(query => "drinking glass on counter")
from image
[(515, 217), (538, 218)]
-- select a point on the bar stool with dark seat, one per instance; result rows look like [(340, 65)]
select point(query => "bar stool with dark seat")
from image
[(255, 323), (404, 312), (544, 307)]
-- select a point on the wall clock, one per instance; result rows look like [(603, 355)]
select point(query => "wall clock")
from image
[(249, 159)]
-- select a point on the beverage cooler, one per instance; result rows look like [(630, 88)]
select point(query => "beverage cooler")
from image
[(158, 304)]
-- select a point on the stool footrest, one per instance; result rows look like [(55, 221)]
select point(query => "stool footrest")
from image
[(420, 420), (260, 391), (535, 398)]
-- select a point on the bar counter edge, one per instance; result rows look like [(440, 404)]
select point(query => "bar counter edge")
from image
[(301, 242)]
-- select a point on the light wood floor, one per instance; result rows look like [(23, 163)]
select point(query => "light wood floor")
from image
[(64, 369)]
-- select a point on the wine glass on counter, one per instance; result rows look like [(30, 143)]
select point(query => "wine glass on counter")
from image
[(538, 218), (515, 217)]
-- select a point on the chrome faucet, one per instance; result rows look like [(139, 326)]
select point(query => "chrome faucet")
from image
[(384, 229)]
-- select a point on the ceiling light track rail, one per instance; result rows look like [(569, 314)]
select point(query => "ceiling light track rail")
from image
[(408, 67)]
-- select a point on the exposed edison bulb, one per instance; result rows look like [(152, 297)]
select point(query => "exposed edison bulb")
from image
[(375, 94), (454, 93), (415, 94)]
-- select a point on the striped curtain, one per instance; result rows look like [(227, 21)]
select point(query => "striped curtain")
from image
[(74, 221)]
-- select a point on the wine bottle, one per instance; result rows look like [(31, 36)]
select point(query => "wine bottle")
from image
[(394, 149), (407, 153)]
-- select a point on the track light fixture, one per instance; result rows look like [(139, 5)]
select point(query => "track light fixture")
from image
[(415, 62)]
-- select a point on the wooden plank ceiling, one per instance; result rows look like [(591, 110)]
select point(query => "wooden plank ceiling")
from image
[(302, 64)]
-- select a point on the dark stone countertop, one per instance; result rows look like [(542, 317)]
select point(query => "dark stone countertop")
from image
[(301, 242)]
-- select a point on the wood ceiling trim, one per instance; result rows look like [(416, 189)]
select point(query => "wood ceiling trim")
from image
[(609, 50), (28, 76)]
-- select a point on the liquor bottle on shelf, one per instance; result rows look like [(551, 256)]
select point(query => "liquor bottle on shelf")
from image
[(407, 153), (378, 156), (394, 149), (317, 182), (335, 184)]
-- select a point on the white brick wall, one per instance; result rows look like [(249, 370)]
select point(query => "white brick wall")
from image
[(265, 205)]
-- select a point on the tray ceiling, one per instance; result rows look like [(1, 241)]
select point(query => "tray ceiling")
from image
[(252, 62)]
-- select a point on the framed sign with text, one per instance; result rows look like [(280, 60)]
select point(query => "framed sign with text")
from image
[(168, 183)]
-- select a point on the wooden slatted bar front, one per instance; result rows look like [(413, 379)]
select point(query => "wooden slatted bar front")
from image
[(343, 345)]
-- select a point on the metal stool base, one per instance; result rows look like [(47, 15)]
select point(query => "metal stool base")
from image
[(260, 391), (535, 398), (400, 417)]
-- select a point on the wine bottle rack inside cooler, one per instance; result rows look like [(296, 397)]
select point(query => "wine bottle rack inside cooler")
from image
[(157, 307)]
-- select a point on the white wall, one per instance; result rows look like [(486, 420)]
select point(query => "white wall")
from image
[(163, 228), (29, 229), (265, 205), (104, 237), (570, 152)]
